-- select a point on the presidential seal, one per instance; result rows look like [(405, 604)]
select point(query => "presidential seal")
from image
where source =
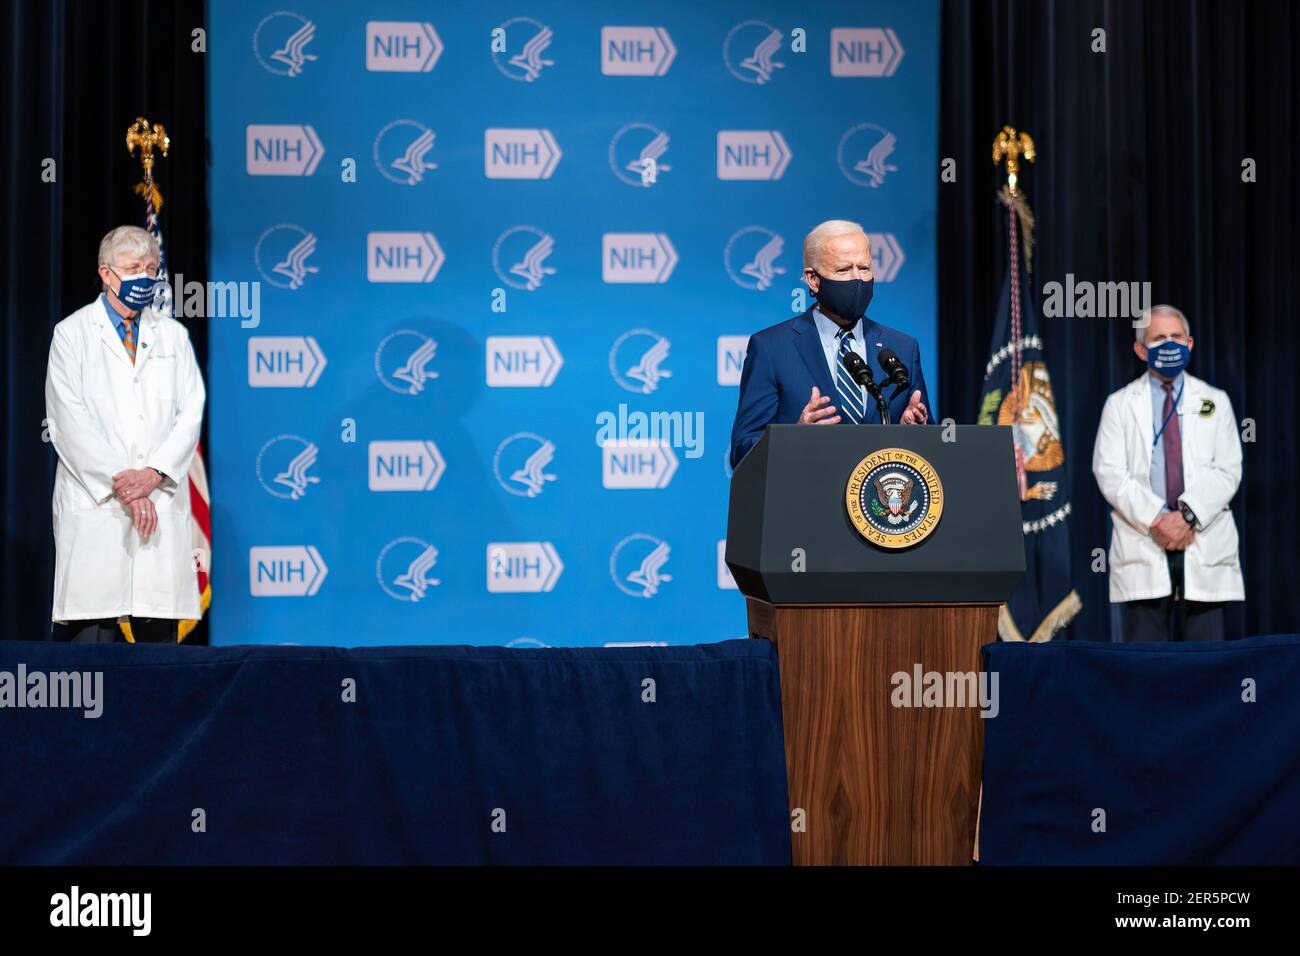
[(894, 498)]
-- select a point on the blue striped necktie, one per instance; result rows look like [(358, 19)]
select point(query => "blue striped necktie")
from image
[(852, 408)]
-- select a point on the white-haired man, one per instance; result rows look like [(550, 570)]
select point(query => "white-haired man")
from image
[(794, 371), (1168, 460), (124, 404)]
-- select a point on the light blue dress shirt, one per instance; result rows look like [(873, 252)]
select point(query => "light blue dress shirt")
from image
[(117, 318), (1157, 419)]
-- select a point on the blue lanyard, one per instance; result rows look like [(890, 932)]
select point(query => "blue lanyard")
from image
[(1172, 412)]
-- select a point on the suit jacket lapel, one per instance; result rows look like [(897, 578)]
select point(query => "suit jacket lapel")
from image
[(871, 345), (809, 346)]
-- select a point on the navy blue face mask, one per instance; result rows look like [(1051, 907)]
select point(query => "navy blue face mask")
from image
[(847, 298), (135, 292), (1168, 358)]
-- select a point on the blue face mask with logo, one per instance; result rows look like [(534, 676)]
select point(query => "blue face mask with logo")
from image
[(1168, 358), (136, 292)]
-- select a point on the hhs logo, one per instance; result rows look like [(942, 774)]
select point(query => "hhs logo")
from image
[(520, 464), (637, 565), (864, 51), (282, 466), (636, 154), (752, 154), (519, 48), (636, 257), (280, 43), (635, 360), (519, 153), (515, 567), (282, 150), (519, 257), (750, 50), (289, 361), (731, 358), (751, 257), (401, 149), (637, 464), (635, 51), (395, 47), (282, 253), (402, 256), (405, 466), (522, 361), (864, 154), (293, 571), (886, 256), (404, 569), (402, 359)]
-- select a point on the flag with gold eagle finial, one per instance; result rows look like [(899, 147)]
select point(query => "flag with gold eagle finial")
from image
[(200, 514), (1017, 392)]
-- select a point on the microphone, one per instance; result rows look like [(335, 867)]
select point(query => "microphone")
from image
[(893, 368), (859, 369), (861, 373)]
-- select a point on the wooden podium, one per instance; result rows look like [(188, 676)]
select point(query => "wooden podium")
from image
[(871, 782)]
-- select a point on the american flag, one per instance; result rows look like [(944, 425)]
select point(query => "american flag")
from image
[(200, 511)]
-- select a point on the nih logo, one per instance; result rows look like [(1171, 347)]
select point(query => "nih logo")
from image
[(294, 571), (284, 361), (647, 257), (752, 154), (282, 150), (731, 358), (864, 51), (402, 257), (635, 51), (515, 567), (395, 47), (519, 153), (886, 256), (640, 463), (405, 466), (522, 361), (725, 581)]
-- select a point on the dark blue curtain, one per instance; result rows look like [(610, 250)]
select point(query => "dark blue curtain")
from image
[(1143, 754), (76, 76), (1138, 178), (416, 755)]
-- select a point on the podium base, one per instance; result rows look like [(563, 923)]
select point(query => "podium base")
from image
[(883, 772)]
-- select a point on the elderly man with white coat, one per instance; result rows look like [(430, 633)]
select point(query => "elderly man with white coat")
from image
[(1168, 459), (124, 404)]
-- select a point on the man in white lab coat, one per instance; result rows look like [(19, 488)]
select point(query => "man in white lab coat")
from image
[(124, 404), (1168, 460)]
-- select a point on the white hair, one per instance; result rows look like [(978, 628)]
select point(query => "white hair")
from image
[(1145, 320), (129, 242), (822, 232)]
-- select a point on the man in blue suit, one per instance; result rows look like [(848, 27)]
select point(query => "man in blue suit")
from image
[(794, 370)]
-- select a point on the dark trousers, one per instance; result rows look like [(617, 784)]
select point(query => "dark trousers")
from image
[(1173, 618), (145, 630)]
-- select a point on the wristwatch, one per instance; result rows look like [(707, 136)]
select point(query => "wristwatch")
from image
[(1188, 514)]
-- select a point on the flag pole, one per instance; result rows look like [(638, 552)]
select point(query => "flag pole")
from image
[(147, 138)]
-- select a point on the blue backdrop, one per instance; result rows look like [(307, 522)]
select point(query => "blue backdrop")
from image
[(481, 238)]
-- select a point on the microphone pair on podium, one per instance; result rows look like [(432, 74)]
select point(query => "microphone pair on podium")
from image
[(894, 369)]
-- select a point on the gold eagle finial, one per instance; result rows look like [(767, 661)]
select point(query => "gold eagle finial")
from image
[(148, 138), (1013, 146)]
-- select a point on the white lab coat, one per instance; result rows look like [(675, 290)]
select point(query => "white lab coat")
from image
[(1121, 461), (105, 415)]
